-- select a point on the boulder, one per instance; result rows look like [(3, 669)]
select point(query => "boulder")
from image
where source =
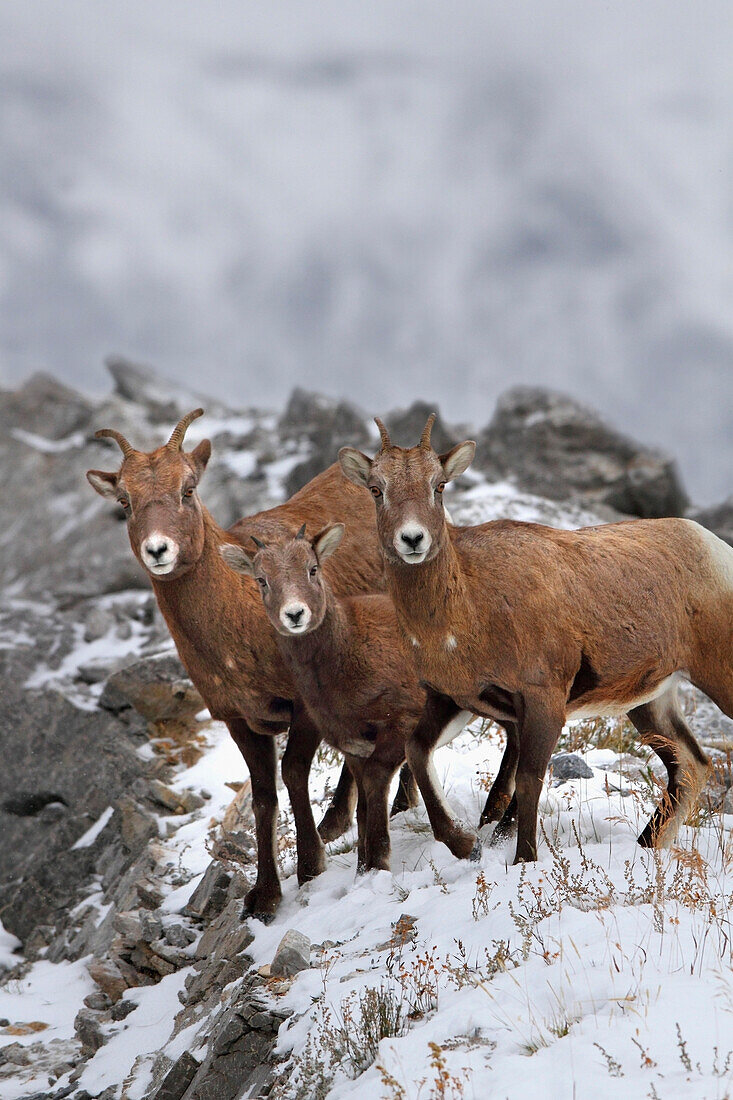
[(293, 954), (405, 426), (325, 426), (568, 765), (44, 407), (164, 400), (551, 445)]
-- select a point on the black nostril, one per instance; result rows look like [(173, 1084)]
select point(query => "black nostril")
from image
[(159, 550), (412, 540), (295, 616)]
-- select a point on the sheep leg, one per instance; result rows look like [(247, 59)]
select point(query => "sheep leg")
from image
[(439, 711), (339, 815), (303, 740), (260, 757), (501, 802), (406, 796), (541, 718)]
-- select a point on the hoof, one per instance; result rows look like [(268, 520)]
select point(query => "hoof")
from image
[(307, 872), (463, 844), (475, 853), (332, 827), (260, 905)]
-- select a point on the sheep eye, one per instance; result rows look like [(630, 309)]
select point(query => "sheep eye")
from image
[(440, 488), (313, 570), (188, 493), (124, 502), (262, 582), (375, 491)]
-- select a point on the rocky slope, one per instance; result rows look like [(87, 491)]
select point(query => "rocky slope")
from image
[(125, 852)]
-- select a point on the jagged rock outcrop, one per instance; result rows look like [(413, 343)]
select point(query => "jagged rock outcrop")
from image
[(551, 445)]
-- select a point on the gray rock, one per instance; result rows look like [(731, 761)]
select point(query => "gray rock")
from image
[(137, 826), (553, 446), (157, 687), (405, 426), (163, 399), (568, 765), (325, 425), (293, 954), (177, 935), (44, 407), (178, 1078), (210, 896), (89, 1031)]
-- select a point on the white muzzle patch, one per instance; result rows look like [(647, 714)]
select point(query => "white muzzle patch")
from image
[(159, 553), (295, 616), (412, 542)]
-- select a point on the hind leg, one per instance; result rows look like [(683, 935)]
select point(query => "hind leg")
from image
[(407, 794), (662, 726), (340, 813), (501, 804)]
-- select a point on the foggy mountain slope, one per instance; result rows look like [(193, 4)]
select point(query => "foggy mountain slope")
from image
[(431, 201)]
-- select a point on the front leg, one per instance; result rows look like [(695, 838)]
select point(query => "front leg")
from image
[(259, 755), (438, 713), (303, 740), (541, 719)]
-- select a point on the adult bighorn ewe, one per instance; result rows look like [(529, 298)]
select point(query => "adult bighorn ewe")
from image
[(222, 633), (350, 666), (531, 626)]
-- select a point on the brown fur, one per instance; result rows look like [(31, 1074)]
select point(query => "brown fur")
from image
[(350, 667), (222, 634), (532, 625)]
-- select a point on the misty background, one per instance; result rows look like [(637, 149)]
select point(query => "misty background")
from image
[(382, 201)]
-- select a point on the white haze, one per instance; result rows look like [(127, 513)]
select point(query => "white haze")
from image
[(380, 200)]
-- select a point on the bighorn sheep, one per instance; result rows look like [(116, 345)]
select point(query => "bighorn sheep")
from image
[(221, 631), (533, 625), (350, 667)]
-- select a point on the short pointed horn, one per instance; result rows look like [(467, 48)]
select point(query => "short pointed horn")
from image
[(301, 533), (256, 541), (425, 437), (384, 434), (109, 433), (176, 440)]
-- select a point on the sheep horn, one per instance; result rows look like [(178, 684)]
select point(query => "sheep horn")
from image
[(425, 437), (176, 440), (301, 533), (126, 447), (256, 541), (384, 434)]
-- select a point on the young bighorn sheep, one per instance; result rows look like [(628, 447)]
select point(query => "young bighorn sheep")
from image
[(533, 625), (221, 631), (350, 667)]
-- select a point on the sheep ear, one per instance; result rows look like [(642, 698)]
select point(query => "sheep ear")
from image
[(200, 456), (237, 558), (327, 541), (105, 484), (355, 465), (458, 459)]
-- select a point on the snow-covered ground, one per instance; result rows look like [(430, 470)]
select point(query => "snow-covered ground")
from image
[(602, 971), (383, 200)]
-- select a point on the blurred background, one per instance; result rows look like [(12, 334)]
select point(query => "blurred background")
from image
[(380, 201)]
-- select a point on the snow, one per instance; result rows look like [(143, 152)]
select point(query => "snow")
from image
[(9, 944), (88, 838)]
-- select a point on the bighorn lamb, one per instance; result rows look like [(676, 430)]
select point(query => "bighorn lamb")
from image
[(222, 633), (350, 667), (532, 625)]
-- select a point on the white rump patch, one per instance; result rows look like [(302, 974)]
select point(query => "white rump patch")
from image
[(453, 728), (618, 710)]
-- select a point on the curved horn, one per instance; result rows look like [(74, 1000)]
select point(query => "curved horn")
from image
[(126, 447), (384, 434), (301, 533), (256, 541), (176, 440), (425, 437)]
